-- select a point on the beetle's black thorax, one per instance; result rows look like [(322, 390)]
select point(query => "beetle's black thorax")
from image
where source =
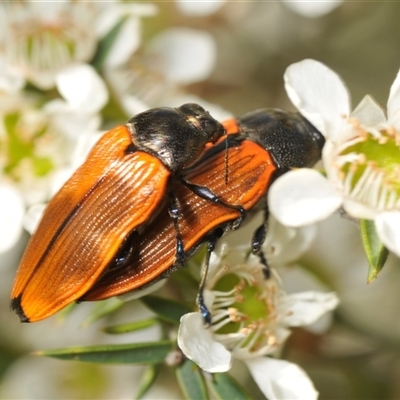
[(176, 136)]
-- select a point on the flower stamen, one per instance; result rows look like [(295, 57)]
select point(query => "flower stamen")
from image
[(368, 168)]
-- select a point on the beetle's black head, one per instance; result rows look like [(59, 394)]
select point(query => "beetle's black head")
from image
[(292, 140), (202, 119)]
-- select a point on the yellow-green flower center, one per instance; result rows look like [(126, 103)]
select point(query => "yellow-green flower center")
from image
[(248, 304), (20, 147), (371, 170), (245, 306)]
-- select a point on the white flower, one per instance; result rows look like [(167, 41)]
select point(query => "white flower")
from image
[(185, 55), (251, 317), (40, 39), (312, 9), (199, 8), (361, 156)]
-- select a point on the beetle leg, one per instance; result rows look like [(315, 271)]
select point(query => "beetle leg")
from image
[(174, 212), (126, 251), (258, 240), (205, 312), (207, 194)]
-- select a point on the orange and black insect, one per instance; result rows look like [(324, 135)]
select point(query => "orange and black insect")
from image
[(80, 251), (150, 255), (122, 186), (261, 146)]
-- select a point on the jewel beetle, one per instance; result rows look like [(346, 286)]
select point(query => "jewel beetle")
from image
[(120, 188), (202, 203), (261, 145), (150, 255)]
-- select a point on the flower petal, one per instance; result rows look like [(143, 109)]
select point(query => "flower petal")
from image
[(70, 122), (198, 344), (388, 228), (307, 307), (11, 80), (82, 88), (299, 279), (393, 105), (313, 9), (125, 44), (280, 238), (279, 379), (355, 209), (11, 214), (199, 8), (368, 112), (114, 12), (319, 94), (129, 36), (33, 216), (187, 55), (302, 197)]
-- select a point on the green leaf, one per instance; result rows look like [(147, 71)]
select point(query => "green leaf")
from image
[(191, 381), (147, 380), (102, 309), (225, 387), (135, 353), (375, 251), (167, 310), (130, 326), (106, 43)]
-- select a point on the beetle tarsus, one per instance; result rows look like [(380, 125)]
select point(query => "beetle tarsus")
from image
[(238, 221), (205, 312), (258, 238)]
